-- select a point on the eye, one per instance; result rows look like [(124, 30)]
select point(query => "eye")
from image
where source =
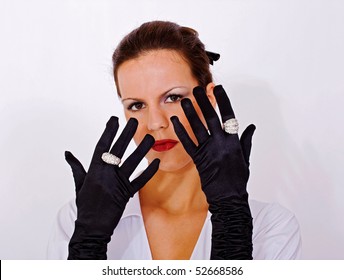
[(136, 106), (173, 98)]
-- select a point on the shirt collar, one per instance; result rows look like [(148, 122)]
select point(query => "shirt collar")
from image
[(133, 207)]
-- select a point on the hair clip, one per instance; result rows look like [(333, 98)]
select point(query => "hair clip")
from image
[(212, 57)]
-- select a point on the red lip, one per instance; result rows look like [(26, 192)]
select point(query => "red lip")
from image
[(164, 145)]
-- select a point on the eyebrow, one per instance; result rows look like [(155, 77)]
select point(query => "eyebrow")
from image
[(161, 95)]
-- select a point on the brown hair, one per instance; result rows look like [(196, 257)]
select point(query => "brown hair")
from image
[(157, 35)]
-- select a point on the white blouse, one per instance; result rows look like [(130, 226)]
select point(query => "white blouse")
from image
[(276, 234)]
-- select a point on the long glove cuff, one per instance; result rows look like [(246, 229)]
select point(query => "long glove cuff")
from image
[(88, 245), (91, 249), (232, 229)]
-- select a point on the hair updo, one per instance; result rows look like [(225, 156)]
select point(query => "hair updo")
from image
[(156, 35)]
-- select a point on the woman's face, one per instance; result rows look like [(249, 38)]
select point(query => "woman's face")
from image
[(152, 87)]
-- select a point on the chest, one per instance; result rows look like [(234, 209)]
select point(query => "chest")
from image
[(173, 236)]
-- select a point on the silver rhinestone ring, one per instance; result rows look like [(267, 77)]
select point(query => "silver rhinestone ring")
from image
[(231, 126), (111, 159)]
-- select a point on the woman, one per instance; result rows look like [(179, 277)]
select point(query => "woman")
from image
[(191, 201)]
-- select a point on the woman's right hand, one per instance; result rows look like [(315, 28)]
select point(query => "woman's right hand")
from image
[(103, 192)]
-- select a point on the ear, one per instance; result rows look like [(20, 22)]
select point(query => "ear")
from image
[(210, 93)]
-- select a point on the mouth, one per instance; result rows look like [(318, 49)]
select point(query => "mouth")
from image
[(164, 145)]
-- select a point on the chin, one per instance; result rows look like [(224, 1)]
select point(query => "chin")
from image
[(171, 164)]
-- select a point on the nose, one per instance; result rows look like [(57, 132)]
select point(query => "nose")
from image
[(157, 119)]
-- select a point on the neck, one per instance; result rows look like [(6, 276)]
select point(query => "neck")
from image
[(175, 192)]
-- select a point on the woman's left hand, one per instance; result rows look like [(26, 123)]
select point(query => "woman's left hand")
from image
[(223, 163), (221, 158)]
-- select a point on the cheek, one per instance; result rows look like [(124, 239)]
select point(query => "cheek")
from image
[(186, 123), (140, 133), (200, 114)]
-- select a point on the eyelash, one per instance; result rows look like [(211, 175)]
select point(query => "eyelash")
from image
[(131, 106), (179, 96)]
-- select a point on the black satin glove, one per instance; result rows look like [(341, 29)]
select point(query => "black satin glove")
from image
[(103, 192), (222, 161)]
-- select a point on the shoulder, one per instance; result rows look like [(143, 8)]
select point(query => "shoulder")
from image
[(62, 231), (276, 231), (66, 216), (267, 213)]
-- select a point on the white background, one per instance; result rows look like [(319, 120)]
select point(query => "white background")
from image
[(282, 63)]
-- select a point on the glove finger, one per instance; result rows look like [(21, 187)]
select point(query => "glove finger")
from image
[(145, 176), (78, 170), (246, 142), (134, 159), (197, 126), (224, 103), (208, 110), (124, 139), (183, 136), (106, 139)]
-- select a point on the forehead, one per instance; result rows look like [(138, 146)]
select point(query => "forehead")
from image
[(154, 71)]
